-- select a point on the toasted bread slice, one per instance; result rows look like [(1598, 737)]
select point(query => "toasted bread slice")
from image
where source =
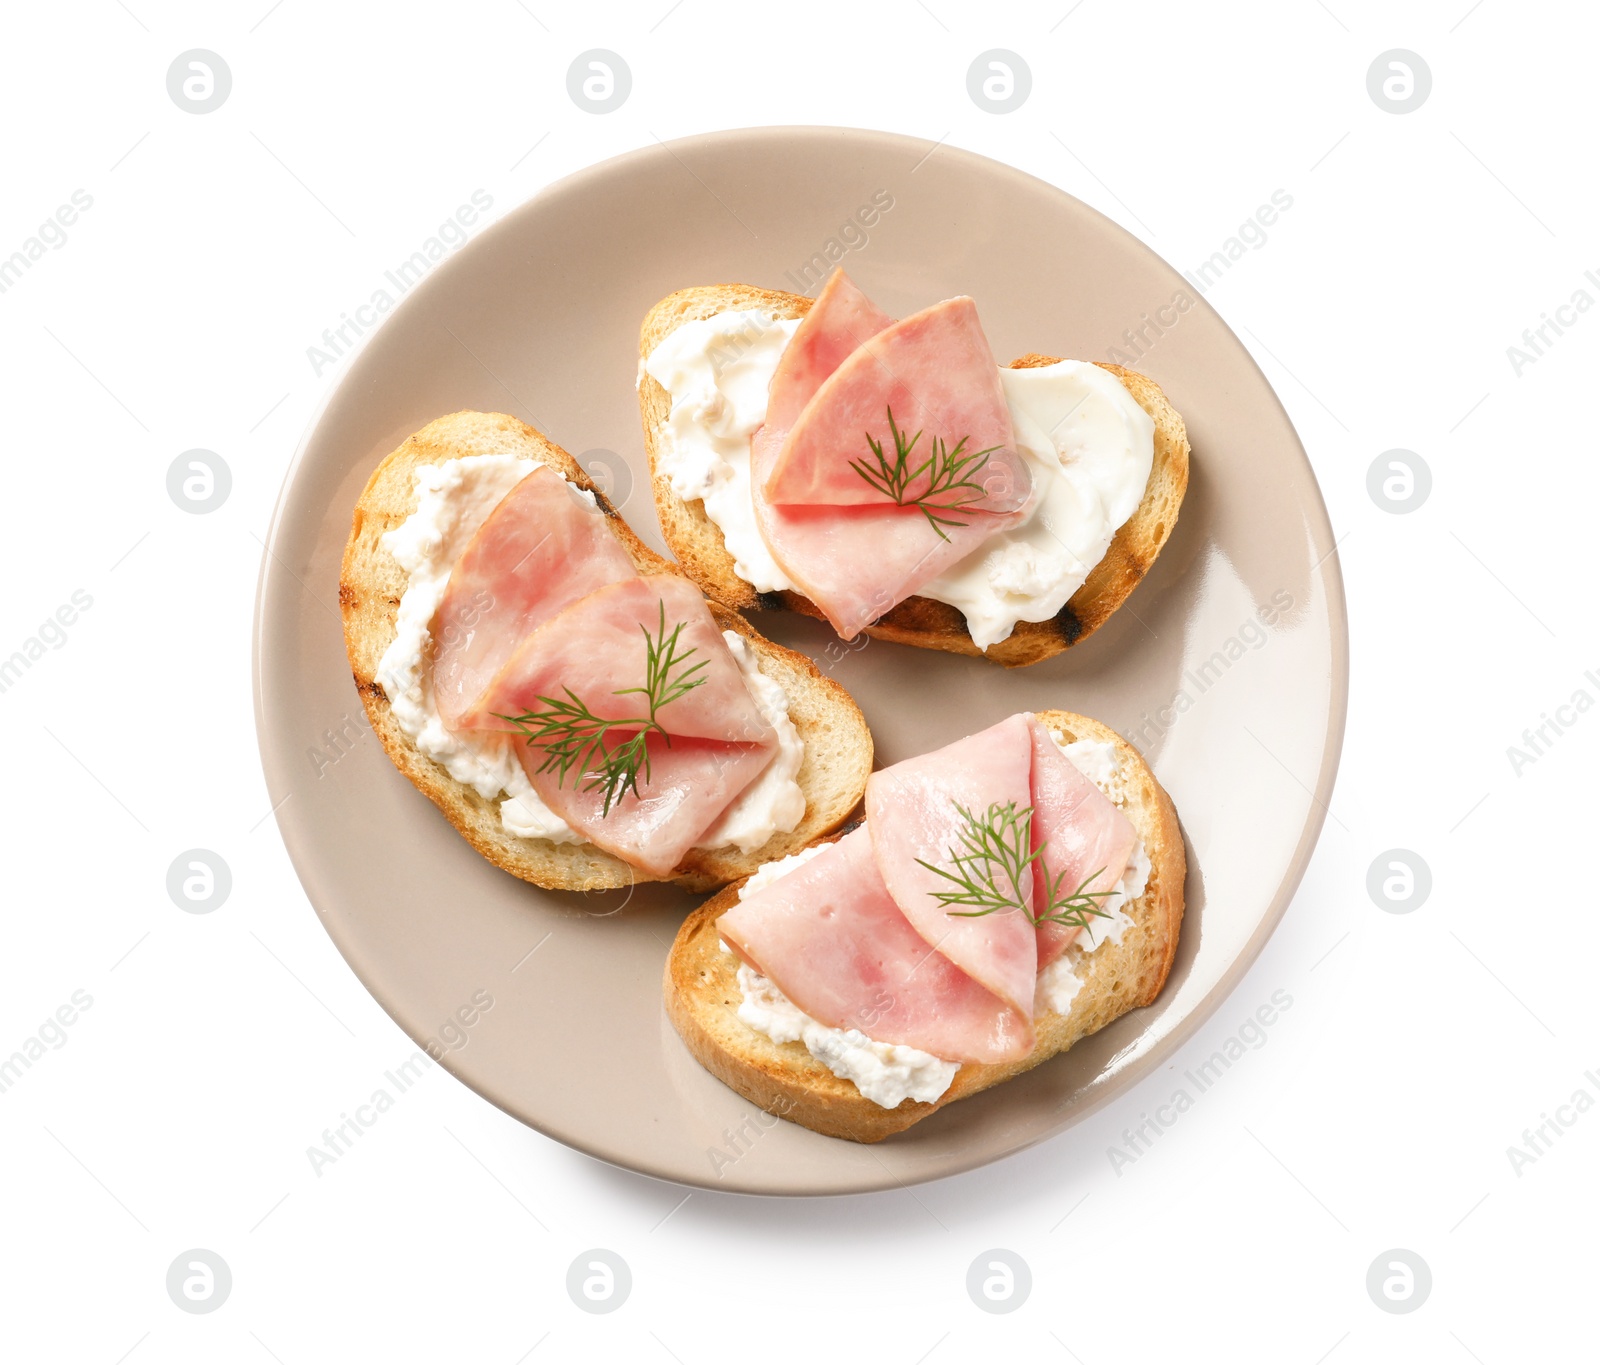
[(696, 540), (703, 996), (838, 745)]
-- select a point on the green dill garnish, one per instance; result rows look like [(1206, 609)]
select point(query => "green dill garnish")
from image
[(945, 476), (994, 851), (572, 736)]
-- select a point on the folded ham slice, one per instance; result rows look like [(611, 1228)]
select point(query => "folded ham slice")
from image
[(857, 939), (691, 783), (856, 563), (717, 741), (1083, 833), (542, 548), (935, 372), (841, 319), (913, 817), (845, 545), (832, 939)]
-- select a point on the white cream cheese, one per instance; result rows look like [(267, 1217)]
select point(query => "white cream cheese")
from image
[(717, 370), (1087, 443), (1060, 982), (453, 500), (1089, 447), (773, 803), (887, 1073)]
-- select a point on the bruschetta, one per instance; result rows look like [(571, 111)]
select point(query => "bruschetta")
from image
[(565, 696), (1005, 896), (887, 475)]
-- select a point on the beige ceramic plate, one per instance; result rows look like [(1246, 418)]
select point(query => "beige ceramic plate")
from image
[(1227, 667)]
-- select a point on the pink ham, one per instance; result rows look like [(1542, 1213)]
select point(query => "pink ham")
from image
[(541, 549), (840, 320), (692, 782), (831, 938), (1082, 831), (720, 742), (856, 561), (912, 815), (935, 372)]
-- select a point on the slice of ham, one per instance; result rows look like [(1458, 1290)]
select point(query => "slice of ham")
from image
[(912, 816), (841, 319), (832, 939), (857, 563), (719, 741), (542, 548), (1082, 831), (691, 783), (935, 372), (858, 560)]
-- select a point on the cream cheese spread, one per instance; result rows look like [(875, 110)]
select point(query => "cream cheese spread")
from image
[(1086, 441), (717, 370), (453, 500), (1060, 982), (886, 1073)]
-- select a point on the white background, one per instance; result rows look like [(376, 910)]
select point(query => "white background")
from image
[(1378, 1113)]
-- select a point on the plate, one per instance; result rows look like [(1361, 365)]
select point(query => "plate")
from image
[(1227, 666)]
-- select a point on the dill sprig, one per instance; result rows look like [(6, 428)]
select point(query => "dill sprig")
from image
[(993, 852), (945, 475), (572, 736)]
